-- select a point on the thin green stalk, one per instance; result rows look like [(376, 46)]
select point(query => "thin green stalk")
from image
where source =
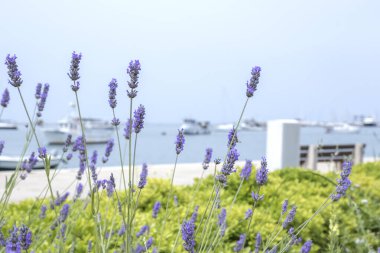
[(250, 219), (167, 200), (121, 158), (1, 112), (236, 194), (129, 233)]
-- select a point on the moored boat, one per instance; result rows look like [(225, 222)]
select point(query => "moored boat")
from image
[(11, 162)]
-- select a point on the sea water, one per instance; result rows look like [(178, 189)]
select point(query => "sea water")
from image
[(155, 144)]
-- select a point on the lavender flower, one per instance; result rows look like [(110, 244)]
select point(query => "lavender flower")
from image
[(1, 146), (290, 217), (127, 129), (79, 145), (188, 236), (42, 152), (222, 221), (180, 141), (69, 156), (133, 72), (257, 197), (112, 93), (207, 159), (93, 160), (31, 162), (115, 122), (343, 183), (109, 148), (217, 161), (246, 171), (149, 243), (284, 207), (306, 247), (110, 186), (240, 243), (67, 143), (37, 95), (43, 212), (156, 209), (254, 81), (75, 86), (232, 138), (60, 199), (78, 191), (64, 213), (273, 250), (248, 214), (121, 230), (228, 166), (42, 102), (262, 173), (138, 122), (25, 237), (194, 216), (13, 72), (82, 167), (143, 176), (5, 98), (142, 231), (74, 67), (258, 242), (13, 244)]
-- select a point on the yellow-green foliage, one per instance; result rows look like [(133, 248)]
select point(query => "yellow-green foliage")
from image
[(356, 223)]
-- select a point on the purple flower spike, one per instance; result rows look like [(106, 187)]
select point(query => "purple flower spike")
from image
[(344, 182), (194, 215), (112, 93), (240, 243), (74, 67), (188, 229), (5, 98), (138, 122), (43, 212), (13, 243), (257, 197), (258, 243), (37, 95), (228, 166), (180, 141), (254, 81), (25, 237), (262, 173), (1, 146), (133, 72), (232, 138), (222, 221), (13, 72), (42, 152), (284, 207), (143, 176), (75, 86), (115, 122), (64, 213), (290, 217), (248, 214), (306, 247), (156, 209), (109, 148), (206, 161), (142, 231), (246, 171), (41, 103), (127, 129)]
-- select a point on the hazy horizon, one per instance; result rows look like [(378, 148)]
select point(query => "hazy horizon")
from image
[(319, 59)]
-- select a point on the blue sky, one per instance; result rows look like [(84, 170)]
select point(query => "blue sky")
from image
[(320, 59)]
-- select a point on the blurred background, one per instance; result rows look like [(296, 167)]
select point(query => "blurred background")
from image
[(319, 61)]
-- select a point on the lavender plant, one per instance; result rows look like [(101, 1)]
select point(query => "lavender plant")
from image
[(206, 230)]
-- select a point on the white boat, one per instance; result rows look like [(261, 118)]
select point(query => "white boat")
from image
[(193, 127), (96, 130), (7, 125), (342, 128), (224, 127), (364, 121), (11, 162), (252, 125)]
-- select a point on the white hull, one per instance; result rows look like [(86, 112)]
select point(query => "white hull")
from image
[(345, 128), (92, 135), (11, 162), (7, 125)]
